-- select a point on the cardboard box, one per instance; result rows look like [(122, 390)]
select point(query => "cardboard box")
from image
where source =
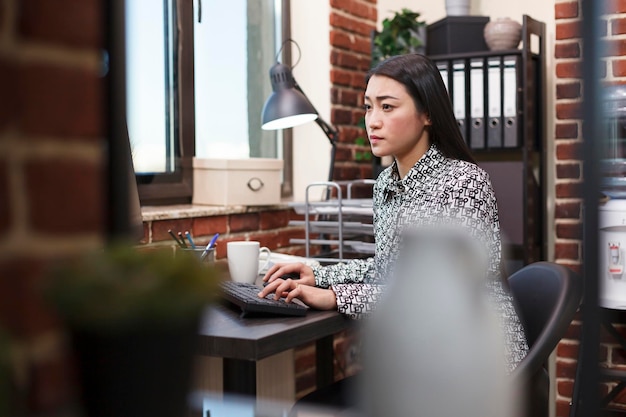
[(249, 182), (457, 34)]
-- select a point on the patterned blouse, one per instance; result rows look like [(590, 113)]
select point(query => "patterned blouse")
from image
[(436, 186)]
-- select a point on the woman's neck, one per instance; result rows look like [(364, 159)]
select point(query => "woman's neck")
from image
[(408, 161)]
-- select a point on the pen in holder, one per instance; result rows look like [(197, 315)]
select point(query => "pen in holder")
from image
[(204, 254)]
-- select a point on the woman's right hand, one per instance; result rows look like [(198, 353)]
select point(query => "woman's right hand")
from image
[(303, 288), (279, 270)]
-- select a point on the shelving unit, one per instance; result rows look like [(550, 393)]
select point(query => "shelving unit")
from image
[(516, 162), (341, 227)]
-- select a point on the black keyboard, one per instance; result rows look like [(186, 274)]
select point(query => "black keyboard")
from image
[(245, 296)]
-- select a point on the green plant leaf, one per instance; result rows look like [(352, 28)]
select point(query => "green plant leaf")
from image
[(399, 35)]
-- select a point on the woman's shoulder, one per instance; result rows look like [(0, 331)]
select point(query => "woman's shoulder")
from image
[(467, 170)]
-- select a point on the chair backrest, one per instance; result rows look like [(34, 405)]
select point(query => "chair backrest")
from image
[(547, 296)]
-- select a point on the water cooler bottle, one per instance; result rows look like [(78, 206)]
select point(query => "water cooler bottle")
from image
[(612, 210)]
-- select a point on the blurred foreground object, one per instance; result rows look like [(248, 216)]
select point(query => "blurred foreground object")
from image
[(434, 347), (133, 317)]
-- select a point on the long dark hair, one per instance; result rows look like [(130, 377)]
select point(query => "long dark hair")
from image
[(423, 82)]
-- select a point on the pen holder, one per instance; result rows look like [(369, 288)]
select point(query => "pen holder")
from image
[(209, 258)]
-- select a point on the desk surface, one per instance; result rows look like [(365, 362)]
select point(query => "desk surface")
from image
[(223, 333)]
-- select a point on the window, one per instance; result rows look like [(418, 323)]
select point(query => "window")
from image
[(197, 79)]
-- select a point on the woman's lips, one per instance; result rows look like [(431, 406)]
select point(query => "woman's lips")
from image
[(374, 138)]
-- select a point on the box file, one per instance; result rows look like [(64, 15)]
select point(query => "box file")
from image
[(477, 102), (494, 98), (488, 115), (509, 76), (458, 95)]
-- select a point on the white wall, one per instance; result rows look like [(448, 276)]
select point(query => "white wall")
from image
[(430, 11), (310, 28)]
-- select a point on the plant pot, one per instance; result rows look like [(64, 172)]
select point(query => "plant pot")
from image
[(457, 7), (139, 371)]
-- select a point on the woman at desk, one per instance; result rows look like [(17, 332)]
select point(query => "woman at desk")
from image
[(408, 115)]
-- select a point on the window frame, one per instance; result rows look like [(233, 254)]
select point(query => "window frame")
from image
[(177, 187)]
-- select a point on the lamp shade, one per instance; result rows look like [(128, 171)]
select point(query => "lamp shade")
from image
[(286, 106)]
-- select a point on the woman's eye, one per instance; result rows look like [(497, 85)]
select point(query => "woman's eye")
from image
[(386, 107), (367, 107)]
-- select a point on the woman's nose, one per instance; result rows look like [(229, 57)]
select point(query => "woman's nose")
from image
[(373, 121)]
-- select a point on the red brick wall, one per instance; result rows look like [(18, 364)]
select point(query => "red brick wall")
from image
[(568, 204), (568, 54), (269, 226), (52, 199), (351, 23)]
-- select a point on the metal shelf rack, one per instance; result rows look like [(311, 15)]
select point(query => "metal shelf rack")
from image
[(342, 227)]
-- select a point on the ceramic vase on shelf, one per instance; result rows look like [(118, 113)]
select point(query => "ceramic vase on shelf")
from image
[(503, 33), (457, 7)]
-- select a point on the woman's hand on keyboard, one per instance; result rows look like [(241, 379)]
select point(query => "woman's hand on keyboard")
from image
[(304, 288), (289, 270)]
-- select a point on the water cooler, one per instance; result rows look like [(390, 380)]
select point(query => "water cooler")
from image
[(612, 211), (612, 244)]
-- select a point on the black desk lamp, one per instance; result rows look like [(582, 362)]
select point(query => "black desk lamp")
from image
[(288, 106)]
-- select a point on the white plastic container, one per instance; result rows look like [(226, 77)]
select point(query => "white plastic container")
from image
[(225, 182), (612, 245)]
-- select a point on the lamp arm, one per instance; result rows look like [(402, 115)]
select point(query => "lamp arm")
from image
[(331, 132)]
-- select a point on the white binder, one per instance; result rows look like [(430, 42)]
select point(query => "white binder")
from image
[(494, 124), (458, 95), (477, 103), (510, 102)]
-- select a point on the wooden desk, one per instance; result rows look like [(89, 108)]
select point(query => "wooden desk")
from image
[(254, 356)]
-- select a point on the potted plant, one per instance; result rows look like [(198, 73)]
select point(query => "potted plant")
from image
[(401, 34), (133, 317)]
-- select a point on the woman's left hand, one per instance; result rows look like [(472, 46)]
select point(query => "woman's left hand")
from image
[(318, 298)]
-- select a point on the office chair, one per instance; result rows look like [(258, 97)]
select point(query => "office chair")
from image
[(547, 296)]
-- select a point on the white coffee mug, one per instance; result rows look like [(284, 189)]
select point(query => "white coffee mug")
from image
[(243, 260)]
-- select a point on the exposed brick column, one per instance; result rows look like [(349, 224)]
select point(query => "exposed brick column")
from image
[(568, 55), (568, 165), (52, 194), (351, 23)]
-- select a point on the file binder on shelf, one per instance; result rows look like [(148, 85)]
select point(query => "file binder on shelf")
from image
[(510, 104), (494, 98), (458, 95), (477, 103)]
